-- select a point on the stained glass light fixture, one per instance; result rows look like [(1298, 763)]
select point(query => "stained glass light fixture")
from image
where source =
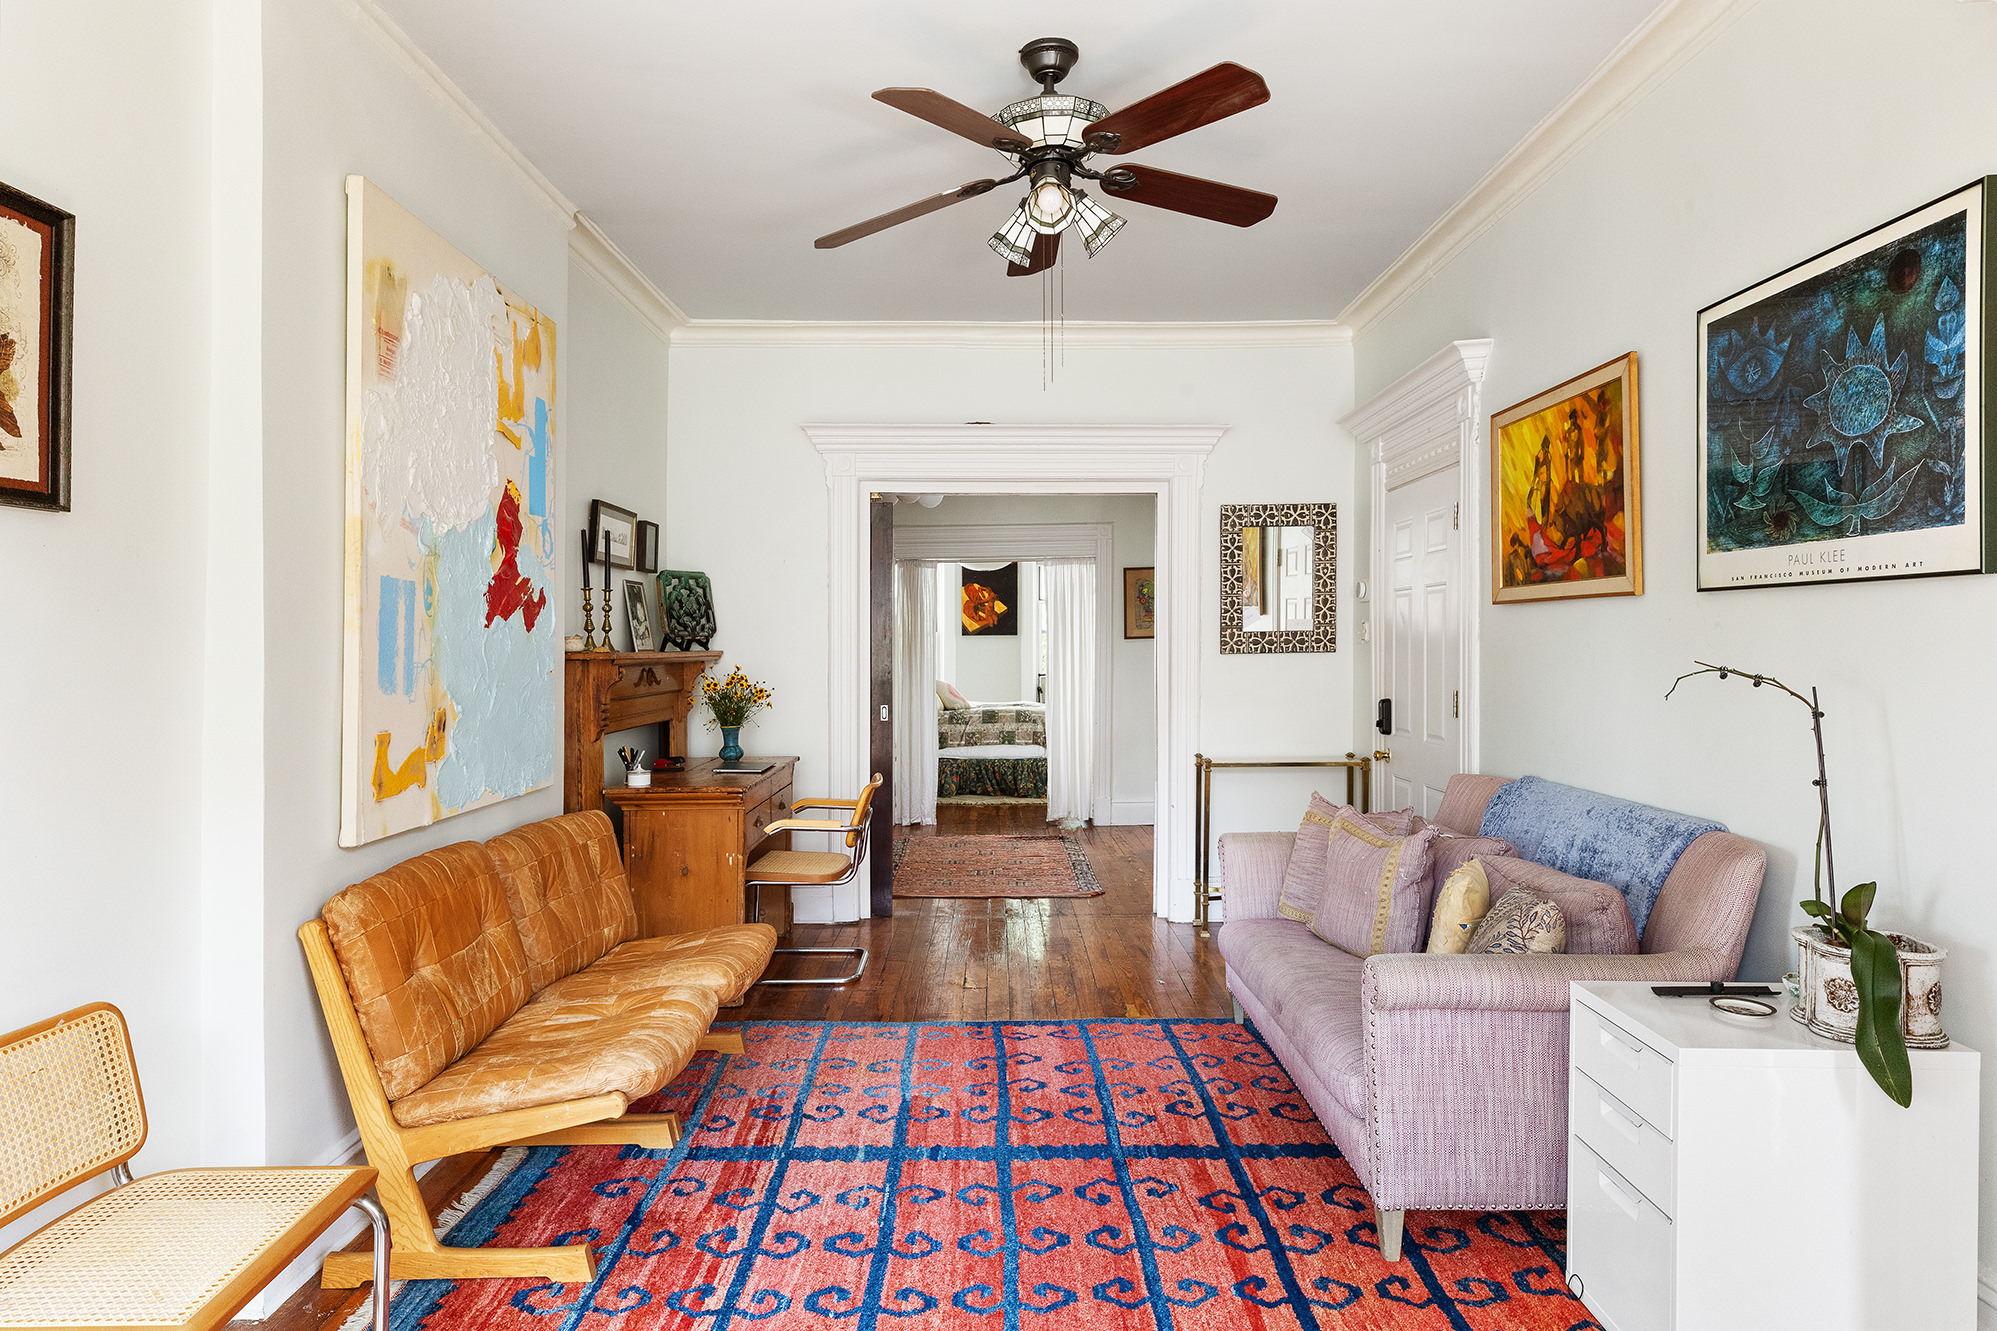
[(1098, 224), (1053, 119), (1014, 240)]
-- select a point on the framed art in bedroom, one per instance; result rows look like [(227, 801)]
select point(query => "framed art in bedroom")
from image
[(37, 242), (1566, 490), (1140, 602), (1845, 435)]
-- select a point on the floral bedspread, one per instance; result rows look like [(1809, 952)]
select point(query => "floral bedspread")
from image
[(1025, 778), (966, 727)]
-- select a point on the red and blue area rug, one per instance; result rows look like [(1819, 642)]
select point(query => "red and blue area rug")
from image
[(1016, 1176)]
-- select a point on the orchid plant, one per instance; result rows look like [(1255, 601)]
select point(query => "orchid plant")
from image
[(1875, 962)]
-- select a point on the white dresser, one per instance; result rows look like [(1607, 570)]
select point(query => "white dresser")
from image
[(1724, 1172)]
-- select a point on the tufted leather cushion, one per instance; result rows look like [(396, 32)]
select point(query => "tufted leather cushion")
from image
[(552, 1051), (728, 960), (566, 888), (431, 959)]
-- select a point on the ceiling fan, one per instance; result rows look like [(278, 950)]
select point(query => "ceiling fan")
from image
[(1052, 136)]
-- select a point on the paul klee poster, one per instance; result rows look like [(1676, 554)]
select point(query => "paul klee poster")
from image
[(1842, 415), (451, 689), (1566, 499)]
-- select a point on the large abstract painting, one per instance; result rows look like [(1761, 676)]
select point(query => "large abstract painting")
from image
[(1566, 493), (1842, 411), (451, 692)]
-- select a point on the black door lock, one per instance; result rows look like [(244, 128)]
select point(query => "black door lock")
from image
[(1385, 725)]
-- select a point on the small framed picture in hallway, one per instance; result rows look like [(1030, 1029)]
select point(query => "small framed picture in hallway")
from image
[(1140, 602)]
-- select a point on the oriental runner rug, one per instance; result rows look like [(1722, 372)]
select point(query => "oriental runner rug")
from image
[(979, 867), (1005, 1175)]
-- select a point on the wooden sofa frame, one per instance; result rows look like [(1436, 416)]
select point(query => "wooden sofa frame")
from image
[(395, 1150)]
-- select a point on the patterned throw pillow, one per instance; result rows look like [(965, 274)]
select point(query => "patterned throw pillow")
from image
[(1460, 907), (947, 693), (1598, 921), (1376, 884), (1522, 921), (1303, 880)]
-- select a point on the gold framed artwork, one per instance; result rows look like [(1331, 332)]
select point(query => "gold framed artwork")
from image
[(1140, 602), (1566, 495)]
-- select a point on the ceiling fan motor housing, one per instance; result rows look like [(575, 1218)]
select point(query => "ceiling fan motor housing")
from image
[(1048, 59)]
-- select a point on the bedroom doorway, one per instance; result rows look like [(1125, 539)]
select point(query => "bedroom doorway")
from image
[(1021, 712)]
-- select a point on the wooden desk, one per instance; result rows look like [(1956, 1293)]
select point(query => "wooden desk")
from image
[(605, 692), (688, 839)]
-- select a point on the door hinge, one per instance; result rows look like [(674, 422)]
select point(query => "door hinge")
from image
[(1456, 515), (1456, 703)]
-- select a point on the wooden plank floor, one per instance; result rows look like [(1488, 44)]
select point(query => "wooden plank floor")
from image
[(940, 960), (1053, 958)]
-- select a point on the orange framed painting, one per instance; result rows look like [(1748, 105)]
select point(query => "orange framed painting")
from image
[(1566, 497)]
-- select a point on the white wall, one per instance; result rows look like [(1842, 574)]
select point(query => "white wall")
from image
[(1133, 523), (1805, 124), (748, 505), (107, 108)]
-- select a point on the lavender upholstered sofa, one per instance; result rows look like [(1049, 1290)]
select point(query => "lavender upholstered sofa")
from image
[(1443, 1079)]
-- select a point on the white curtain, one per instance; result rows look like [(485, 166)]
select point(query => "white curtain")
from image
[(1071, 688), (914, 692)]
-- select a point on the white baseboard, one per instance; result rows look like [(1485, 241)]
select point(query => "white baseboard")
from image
[(1132, 813)]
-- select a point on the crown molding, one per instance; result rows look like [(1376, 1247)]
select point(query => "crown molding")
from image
[(983, 336), (1437, 381), (612, 268), (1675, 32), (432, 79)]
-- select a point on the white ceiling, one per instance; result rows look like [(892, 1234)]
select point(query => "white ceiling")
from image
[(714, 141)]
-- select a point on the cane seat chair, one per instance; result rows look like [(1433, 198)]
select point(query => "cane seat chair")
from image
[(818, 868), (185, 1248)]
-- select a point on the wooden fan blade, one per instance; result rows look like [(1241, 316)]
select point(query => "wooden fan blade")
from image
[(938, 110), (1191, 195), (1046, 249), (903, 214), (1210, 95)]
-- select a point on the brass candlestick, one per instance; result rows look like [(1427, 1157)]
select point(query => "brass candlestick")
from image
[(589, 620)]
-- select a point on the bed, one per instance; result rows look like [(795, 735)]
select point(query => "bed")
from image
[(992, 749)]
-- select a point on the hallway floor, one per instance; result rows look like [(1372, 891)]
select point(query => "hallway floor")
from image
[(955, 960)]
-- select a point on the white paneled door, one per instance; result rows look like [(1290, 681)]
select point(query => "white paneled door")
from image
[(1422, 679)]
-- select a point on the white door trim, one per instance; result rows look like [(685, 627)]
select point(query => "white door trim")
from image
[(1168, 461), (996, 542), (1428, 420)]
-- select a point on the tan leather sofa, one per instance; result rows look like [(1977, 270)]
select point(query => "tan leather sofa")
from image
[(495, 994)]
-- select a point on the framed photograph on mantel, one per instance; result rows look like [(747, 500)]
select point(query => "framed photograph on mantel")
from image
[(613, 533), (1566, 491), (1845, 434), (36, 260)]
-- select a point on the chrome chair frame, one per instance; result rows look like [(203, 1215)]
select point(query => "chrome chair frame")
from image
[(858, 847)]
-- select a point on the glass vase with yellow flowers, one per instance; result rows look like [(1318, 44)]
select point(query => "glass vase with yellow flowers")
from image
[(730, 702)]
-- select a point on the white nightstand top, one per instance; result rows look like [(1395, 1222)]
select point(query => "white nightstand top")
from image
[(1674, 1026)]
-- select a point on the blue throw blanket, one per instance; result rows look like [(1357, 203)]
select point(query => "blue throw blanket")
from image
[(1628, 845)]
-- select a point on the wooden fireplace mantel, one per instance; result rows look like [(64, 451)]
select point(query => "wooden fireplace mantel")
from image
[(606, 692)]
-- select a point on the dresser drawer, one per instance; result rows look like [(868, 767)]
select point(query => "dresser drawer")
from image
[(754, 819), (1624, 1066), (1627, 1144), (1619, 1246)]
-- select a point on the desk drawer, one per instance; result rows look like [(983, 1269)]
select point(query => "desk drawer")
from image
[(754, 819), (1618, 1134), (1624, 1066), (1620, 1254)]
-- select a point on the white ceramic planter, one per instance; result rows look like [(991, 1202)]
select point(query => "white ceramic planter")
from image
[(1829, 1005)]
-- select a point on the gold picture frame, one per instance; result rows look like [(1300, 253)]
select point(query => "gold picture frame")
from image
[(1566, 490), (1140, 602)]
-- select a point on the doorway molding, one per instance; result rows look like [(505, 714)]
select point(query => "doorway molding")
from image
[(994, 543), (1165, 461), (1428, 420)]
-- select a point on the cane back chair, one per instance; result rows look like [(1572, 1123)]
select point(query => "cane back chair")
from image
[(818, 868), (185, 1248)]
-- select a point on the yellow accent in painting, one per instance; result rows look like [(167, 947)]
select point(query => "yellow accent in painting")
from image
[(414, 771)]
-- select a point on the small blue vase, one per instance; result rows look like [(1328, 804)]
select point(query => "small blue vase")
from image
[(731, 744)]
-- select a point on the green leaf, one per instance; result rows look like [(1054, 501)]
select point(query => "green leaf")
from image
[(1814, 908), (1882, 1048), (1858, 903)]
